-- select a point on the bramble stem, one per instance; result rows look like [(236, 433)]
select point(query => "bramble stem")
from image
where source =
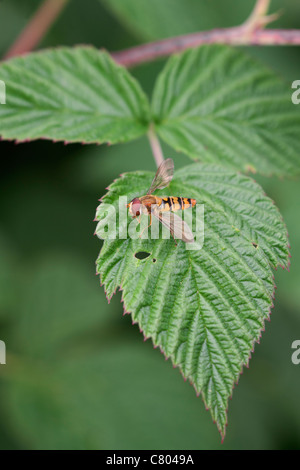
[(37, 27), (251, 32), (260, 11), (155, 146)]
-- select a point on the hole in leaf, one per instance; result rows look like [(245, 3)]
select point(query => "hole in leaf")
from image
[(142, 255), (255, 245), (154, 260)]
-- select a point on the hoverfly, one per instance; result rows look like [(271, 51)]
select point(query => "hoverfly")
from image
[(157, 206)]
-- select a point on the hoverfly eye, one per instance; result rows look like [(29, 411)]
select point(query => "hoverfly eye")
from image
[(136, 207)]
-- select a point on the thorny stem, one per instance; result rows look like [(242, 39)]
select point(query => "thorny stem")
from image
[(155, 146), (251, 32), (260, 11), (37, 27), (257, 20)]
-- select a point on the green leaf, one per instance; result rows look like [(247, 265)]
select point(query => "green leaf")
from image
[(217, 105), (204, 308), (75, 95)]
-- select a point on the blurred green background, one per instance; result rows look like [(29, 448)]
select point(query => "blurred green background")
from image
[(78, 374)]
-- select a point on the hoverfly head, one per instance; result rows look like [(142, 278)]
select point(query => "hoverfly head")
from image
[(135, 207)]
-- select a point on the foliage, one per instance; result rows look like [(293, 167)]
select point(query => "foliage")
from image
[(75, 95), (206, 307), (217, 105), (213, 104)]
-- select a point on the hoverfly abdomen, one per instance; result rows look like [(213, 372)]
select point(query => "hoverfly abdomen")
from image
[(165, 204), (175, 203), (187, 202)]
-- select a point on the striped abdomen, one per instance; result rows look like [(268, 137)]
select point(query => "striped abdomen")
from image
[(175, 203)]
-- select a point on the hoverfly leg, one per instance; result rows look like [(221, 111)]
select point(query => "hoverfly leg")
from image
[(146, 228), (135, 216), (174, 239)]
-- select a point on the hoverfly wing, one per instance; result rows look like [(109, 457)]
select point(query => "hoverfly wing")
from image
[(163, 175), (178, 227)]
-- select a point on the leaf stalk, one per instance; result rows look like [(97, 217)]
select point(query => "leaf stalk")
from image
[(155, 146)]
